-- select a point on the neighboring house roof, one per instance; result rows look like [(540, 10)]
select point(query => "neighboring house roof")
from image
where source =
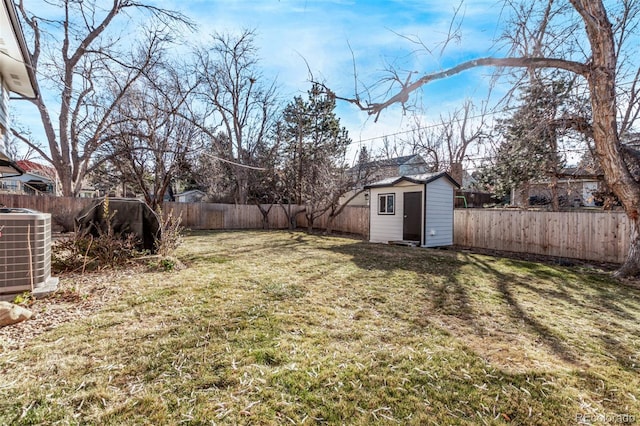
[(580, 172), (190, 192), (423, 178), (15, 62), (388, 162), (46, 172)]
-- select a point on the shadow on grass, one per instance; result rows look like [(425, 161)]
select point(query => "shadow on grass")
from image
[(608, 294), (448, 279), (504, 283), (613, 306)]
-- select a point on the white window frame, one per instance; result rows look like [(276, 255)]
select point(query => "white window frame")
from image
[(383, 203)]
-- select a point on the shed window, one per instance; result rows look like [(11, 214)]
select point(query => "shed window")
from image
[(386, 204)]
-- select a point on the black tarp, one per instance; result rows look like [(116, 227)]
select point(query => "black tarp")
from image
[(130, 216)]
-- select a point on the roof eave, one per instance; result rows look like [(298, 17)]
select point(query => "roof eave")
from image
[(26, 56), (9, 168), (415, 181)]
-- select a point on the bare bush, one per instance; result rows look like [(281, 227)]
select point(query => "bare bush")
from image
[(171, 234)]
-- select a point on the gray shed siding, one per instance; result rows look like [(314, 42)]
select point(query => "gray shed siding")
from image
[(438, 229), (385, 228), (437, 210)]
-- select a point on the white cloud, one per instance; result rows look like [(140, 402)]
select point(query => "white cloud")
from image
[(323, 33)]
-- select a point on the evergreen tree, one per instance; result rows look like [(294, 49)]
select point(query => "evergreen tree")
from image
[(529, 147), (314, 148)]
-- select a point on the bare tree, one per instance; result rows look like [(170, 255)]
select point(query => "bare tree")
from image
[(266, 189), (92, 70), (231, 87), (154, 138), (603, 62), (14, 149), (446, 145), (213, 176)]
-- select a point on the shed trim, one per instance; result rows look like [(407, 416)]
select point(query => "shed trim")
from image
[(415, 179)]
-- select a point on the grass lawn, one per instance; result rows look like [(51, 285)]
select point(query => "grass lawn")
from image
[(279, 328)]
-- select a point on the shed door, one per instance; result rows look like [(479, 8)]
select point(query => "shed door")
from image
[(411, 229)]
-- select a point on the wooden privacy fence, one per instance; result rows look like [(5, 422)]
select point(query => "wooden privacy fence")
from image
[(598, 236), (57, 206), (353, 220), (200, 215), (225, 216)]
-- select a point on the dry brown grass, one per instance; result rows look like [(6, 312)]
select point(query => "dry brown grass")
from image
[(278, 327)]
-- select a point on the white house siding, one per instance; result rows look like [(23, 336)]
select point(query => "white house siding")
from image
[(385, 228), (439, 214), (4, 115)]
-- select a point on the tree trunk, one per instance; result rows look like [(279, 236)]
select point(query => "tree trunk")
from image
[(521, 196), (291, 216), (457, 172), (330, 221), (265, 215), (631, 266), (601, 79), (242, 186), (310, 220)]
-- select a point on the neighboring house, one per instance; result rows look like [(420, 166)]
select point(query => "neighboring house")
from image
[(192, 196), (400, 166), (37, 179), (16, 76), (88, 192), (414, 208), (380, 169), (576, 187)]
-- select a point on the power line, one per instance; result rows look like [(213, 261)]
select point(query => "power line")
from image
[(435, 125), (224, 160)]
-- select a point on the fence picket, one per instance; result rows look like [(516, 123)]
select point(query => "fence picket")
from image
[(597, 236)]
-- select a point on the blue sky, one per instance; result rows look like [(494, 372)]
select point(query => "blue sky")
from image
[(323, 34)]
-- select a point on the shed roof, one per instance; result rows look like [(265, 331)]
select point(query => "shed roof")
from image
[(423, 178)]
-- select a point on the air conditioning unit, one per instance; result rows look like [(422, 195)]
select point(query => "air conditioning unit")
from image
[(25, 253)]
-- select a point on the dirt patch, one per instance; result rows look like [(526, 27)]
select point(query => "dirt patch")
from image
[(77, 297)]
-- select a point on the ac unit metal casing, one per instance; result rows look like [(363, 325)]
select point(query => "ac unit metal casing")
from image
[(25, 252)]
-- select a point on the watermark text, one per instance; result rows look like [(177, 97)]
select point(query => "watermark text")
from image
[(606, 418)]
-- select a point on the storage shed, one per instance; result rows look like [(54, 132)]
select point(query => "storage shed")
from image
[(415, 209)]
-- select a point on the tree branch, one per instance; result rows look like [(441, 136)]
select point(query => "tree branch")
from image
[(408, 87)]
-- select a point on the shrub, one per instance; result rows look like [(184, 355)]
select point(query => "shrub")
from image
[(83, 251), (171, 233)]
